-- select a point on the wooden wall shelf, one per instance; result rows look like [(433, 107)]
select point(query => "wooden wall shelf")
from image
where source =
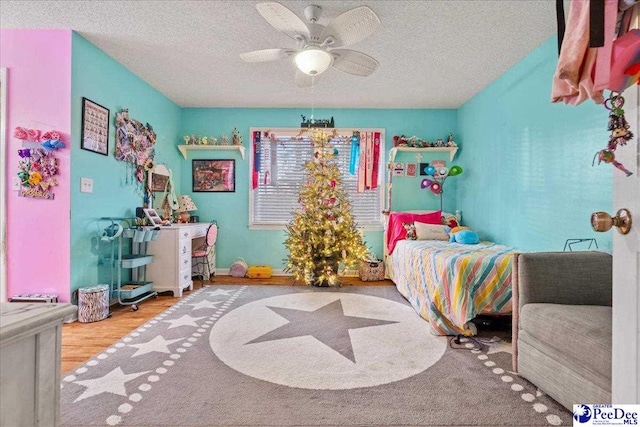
[(184, 148), (451, 150)]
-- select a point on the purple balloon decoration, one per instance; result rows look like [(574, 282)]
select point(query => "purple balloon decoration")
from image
[(425, 183)]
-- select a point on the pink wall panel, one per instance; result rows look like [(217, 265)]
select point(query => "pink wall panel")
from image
[(39, 96)]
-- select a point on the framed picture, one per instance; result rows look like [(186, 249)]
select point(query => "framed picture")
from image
[(95, 127), (412, 169), (423, 168), (398, 169), (153, 216), (214, 176)]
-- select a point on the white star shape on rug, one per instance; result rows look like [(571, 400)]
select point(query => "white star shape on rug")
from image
[(205, 304), (113, 383), (158, 344), (219, 292), (185, 320), (498, 345)]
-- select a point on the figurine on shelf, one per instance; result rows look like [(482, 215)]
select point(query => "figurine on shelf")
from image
[(451, 142), (236, 137), (204, 141), (224, 139), (213, 140), (399, 141)]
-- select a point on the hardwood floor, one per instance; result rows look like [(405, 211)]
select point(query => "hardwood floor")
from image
[(81, 341)]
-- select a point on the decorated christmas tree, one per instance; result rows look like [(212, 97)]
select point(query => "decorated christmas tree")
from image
[(322, 234)]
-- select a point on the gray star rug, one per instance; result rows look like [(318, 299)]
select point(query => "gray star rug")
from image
[(300, 356)]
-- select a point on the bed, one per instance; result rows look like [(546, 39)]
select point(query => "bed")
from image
[(451, 283)]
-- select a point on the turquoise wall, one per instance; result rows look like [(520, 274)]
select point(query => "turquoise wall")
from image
[(528, 178), (101, 79), (231, 210)]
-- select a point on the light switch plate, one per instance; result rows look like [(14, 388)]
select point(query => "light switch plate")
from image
[(86, 185)]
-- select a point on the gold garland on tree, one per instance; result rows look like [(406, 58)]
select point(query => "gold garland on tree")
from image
[(322, 233)]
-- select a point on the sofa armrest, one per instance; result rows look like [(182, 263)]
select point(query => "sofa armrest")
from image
[(576, 278)]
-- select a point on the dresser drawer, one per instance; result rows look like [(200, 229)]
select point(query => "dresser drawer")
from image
[(185, 261), (184, 233), (184, 248), (185, 277), (198, 232)]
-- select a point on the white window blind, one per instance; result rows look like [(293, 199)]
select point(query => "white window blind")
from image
[(281, 171)]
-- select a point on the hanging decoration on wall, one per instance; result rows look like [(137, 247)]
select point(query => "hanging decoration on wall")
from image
[(37, 165), (355, 152), (315, 123), (437, 174), (620, 133), (135, 144)]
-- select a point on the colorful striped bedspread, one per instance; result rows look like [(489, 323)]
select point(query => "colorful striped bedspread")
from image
[(450, 283)]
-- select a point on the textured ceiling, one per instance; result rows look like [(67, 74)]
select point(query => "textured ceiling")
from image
[(432, 54)]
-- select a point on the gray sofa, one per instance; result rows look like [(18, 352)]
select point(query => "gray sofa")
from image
[(562, 324)]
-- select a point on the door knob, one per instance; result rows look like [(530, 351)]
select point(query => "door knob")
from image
[(602, 221)]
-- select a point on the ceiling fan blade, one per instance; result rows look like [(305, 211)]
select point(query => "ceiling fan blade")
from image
[(283, 20), (265, 55), (305, 80), (352, 26), (354, 62)]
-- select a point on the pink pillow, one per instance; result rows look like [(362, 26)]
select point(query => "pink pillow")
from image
[(395, 230)]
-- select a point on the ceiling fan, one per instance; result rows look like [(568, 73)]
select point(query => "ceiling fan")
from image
[(316, 48)]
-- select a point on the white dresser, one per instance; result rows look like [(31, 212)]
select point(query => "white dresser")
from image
[(171, 268), (30, 343)]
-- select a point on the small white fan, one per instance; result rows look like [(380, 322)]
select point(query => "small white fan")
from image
[(316, 49)]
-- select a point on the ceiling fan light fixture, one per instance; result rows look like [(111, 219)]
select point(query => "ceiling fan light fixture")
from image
[(313, 61)]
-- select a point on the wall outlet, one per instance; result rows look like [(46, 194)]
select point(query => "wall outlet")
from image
[(86, 185), (15, 184)]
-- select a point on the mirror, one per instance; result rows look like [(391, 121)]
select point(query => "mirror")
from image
[(159, 179)]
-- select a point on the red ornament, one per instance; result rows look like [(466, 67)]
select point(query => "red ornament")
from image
[(333, 184)]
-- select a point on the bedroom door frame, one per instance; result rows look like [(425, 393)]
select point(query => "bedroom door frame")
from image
[(625, 366), (3, 184)]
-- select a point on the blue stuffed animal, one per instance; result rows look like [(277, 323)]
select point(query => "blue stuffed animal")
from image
[(464, 236)]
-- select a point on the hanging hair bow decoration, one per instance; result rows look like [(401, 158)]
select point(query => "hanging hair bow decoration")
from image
[(620, 133), (53, 144)]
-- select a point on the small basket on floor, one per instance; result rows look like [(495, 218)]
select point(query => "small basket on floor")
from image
[(371, 271), (93, 303)]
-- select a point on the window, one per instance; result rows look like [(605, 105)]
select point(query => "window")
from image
[(280, 171)]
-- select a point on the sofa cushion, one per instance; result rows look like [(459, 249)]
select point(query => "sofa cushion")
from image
[(581, 332), (558, 376)]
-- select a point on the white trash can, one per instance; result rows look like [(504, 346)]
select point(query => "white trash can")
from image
[(93, 303)]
